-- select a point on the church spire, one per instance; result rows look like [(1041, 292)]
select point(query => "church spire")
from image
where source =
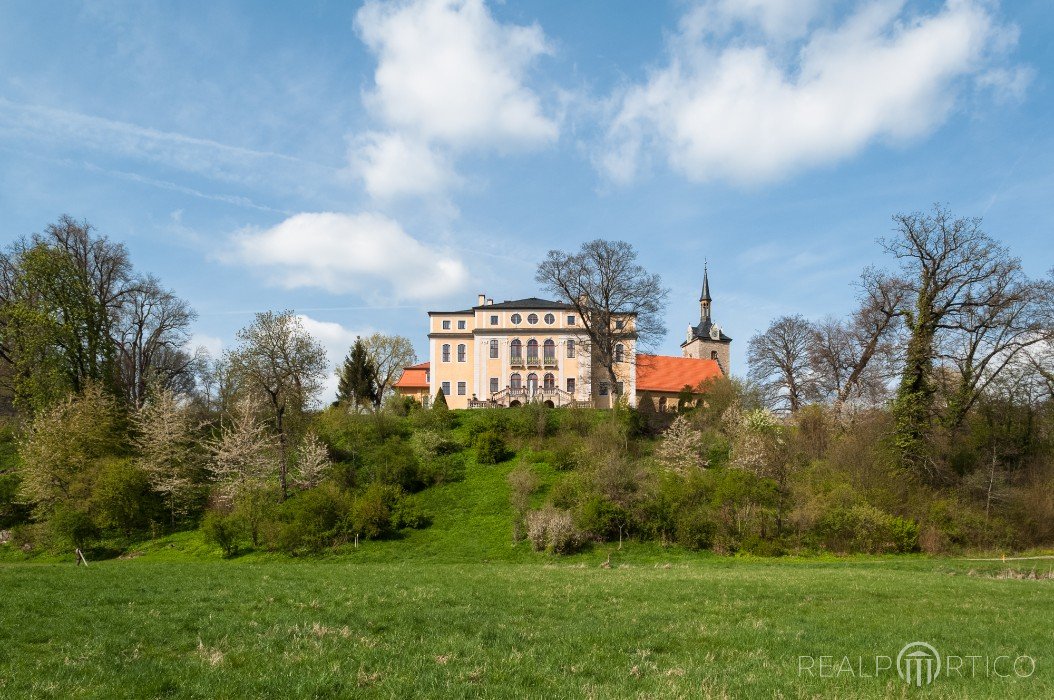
[(705, 296)]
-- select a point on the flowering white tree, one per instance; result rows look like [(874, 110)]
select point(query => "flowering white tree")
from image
[(244, 455), (681, 448), (166, 447), (312, 462)]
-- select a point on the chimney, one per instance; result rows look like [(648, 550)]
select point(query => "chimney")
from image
[(482, 300), (490, 302)]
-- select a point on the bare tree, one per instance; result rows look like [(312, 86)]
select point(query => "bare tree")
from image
[(779, 361), (389, 354), (151, 335), (281, 361), (615, 298), (967, 304), (854, 358)]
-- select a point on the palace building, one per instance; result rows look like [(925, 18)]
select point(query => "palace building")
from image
[(536, 350)]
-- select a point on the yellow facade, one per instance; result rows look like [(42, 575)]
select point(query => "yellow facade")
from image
[(519, 351)]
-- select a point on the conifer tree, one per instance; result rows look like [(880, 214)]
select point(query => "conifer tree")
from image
[(358, 378), (440, 401)]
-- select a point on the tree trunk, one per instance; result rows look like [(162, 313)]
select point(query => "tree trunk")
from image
[(283, 467)]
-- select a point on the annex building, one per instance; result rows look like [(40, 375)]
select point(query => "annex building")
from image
[(536, 350)]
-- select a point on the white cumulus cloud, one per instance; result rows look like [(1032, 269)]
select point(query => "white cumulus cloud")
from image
[(366, 253), (753, 107), (337, 341), (449, 78)]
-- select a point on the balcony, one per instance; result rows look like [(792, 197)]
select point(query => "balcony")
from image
[(516, 361)]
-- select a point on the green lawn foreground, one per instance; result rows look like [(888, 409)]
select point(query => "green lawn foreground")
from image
[(343, 627)]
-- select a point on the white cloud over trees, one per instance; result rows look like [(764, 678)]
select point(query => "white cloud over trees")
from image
[(752, 91)]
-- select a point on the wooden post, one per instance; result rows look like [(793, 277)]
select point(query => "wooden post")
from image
[(80, 557)]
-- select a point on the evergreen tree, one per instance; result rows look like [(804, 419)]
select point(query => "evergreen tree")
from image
[(440, 401), (358, 378)]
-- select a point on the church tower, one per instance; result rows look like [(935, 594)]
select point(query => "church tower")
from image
[(706, 340)]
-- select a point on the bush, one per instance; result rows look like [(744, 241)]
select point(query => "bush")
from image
[(553, 530), (566, 454), (224, 531), (490, 448), (123, 498), (695, 529), (864, 528), (395, 463), (382, 509), (601, 519), (69, 527), (314, 520)]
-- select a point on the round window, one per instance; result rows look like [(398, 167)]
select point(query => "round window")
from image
[(550, 319), (516, 318), (532, 319)]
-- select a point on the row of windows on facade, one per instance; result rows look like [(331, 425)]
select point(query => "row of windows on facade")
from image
[(516, 319), (548, 383), (516, 350)]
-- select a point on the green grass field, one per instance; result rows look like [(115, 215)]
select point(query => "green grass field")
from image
[(455, 610)]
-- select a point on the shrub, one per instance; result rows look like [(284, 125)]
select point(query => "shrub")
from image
[(552, 530), (407, 513), (224, 531), (864, 528), (695, 528), (313, 520), (122, 498), (395, 463), (72, 527), (601, 519), (382, 509), (566, 454), (490, 448)]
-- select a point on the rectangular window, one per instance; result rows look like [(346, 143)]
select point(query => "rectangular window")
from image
[(446, 325), (570, 385), (618, 388), (446, 388), (603, 389), (461, 325), (446, 353), (619, 323), (570, 348), (494, 349), (493, 320), (570, 319), (461, 388), (461, 353), (493, 385)]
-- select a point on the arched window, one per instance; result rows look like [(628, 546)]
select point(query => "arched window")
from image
[(516, 381), (532, 349), (620, 352), (549, 381), (516, 349), (532, 383), (570, 348), (461, 353), (493, 349), (713, 354), (549, 348), (446, 352)]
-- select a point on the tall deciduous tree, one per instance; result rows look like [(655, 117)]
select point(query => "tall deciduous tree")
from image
[(779, 361), (615, 297), (389, 355), (968, 306), (281, 362), (357, 378)]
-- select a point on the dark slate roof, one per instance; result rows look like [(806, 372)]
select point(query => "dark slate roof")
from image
[(529, 303), (705, 295), (703, 331)]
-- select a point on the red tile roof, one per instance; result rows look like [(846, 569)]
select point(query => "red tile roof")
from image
[(662, 373), (414, 377)]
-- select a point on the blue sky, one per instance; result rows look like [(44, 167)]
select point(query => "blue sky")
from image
[(361, 164)]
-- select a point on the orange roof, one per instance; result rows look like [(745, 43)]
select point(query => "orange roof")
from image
[(662, 373), (414, 377)]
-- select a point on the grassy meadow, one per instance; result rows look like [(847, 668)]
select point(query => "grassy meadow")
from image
[(456, 610)]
